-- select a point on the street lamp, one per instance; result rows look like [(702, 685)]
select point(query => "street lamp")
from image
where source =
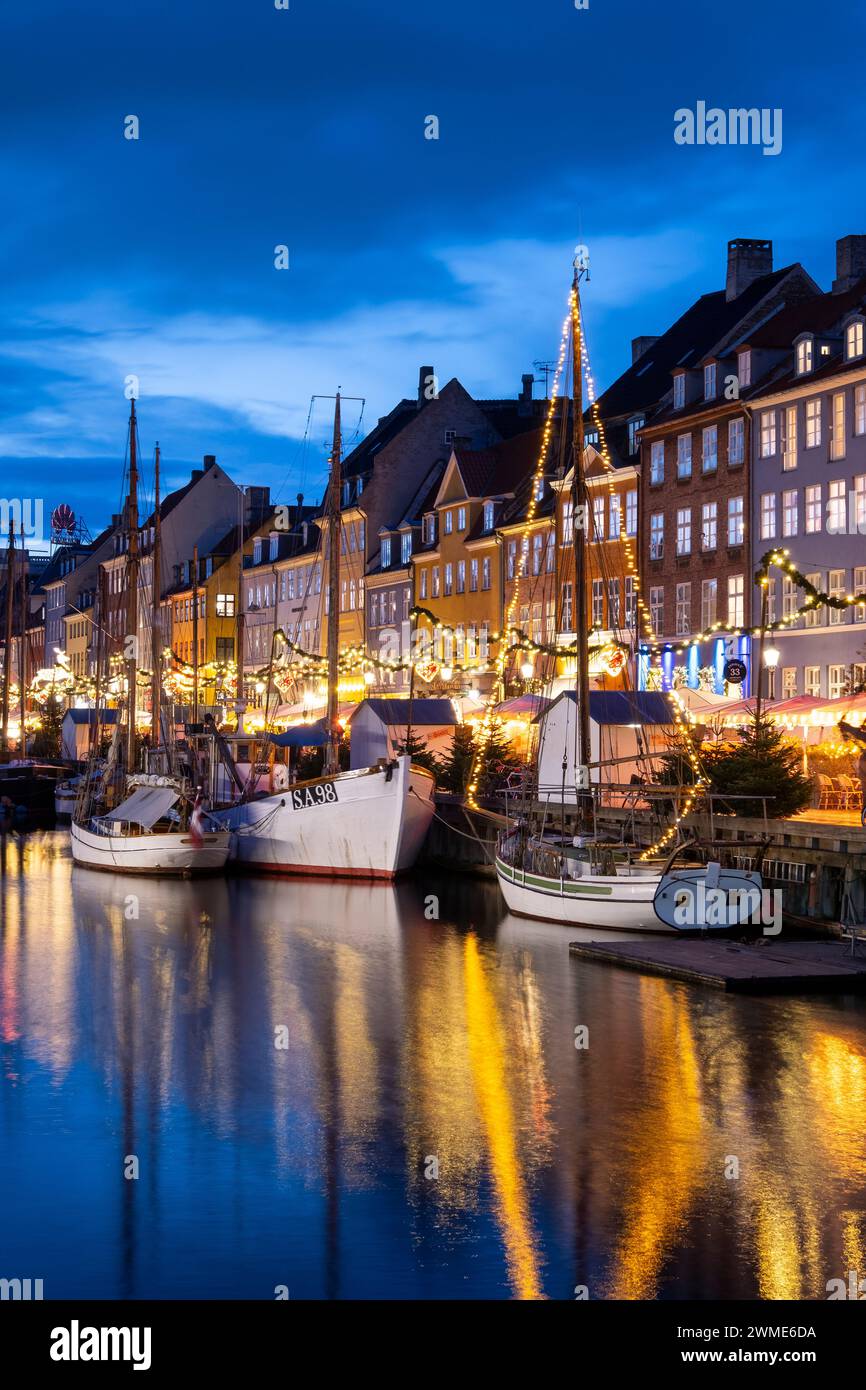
[(772, 656), (527, 670)]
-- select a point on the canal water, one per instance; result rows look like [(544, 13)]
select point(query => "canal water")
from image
[(328, 1090)]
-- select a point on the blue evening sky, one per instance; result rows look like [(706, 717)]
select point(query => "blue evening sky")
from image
[(305, 127)]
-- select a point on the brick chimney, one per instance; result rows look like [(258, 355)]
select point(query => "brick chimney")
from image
[(850, 262), (640, 345), (209, 461), (425, 385), (748, 260), (526, 383)]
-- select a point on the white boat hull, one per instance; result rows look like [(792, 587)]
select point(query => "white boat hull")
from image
[(611, 902), (64, 804), (363, 824), (172, 853)]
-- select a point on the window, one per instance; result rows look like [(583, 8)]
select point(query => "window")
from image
[(657, 462), (790, 520), (550, 563), (813, 423), (657, 536), (859, 501), (736, 442), (710, 449), (485, 572), (805, 356), (815, 616), (836, 509), (860, 409), (428, 529), (768, 433), (473, 576), (461, 576), (568, 522), (860, 588), (450, 436), (449, 579), (679, 390), (657, 608), (631, 513), (225, 605), (768, 516), (836, 589), (709, 599), (406, 547), (614, 523), (789, 682), (634, 426), (710, 381), (598, 603), (423, 583), (567, 619), (709, 526), (684, 609), (684, 531), (613, 603), (789, 597), (813, 509), (771, 601), (598, 519), (744, 368), (836, 682), (225, 649), (789, 447), (837, 426), (736, 521), (630, 601), (537, 551), (511, 560), (461, 518), (812, 681), (684, 456), (434, 582), (487, 517), (854, 339), (385, 552), (735, 600)]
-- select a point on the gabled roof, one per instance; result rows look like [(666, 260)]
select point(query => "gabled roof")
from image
[(397, 712), (703, 326), (501, 469), (621, 707), (820, 314)]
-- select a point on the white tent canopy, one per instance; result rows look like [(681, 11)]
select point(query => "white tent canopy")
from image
[(145, 806)]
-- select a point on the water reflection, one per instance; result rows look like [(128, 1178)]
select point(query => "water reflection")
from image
[(430, 1130)]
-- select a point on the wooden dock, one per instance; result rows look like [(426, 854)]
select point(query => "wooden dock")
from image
[(765, 967)]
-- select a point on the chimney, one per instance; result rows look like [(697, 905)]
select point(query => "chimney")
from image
[(209, 460), (426, 382), (850, 262), (527, 381), (640, 345), (748, 259)]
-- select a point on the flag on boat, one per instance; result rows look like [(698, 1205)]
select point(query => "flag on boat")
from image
[(196, 822)]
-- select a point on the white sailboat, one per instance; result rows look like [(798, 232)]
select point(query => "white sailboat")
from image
[(160, 826), (583, 882), (369, 823)]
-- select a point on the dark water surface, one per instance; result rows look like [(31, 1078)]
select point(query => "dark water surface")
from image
[(411, 1042)]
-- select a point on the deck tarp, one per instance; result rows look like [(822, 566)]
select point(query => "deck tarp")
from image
[(145, 806)]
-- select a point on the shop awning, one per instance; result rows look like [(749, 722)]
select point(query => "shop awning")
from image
[(145, 806)]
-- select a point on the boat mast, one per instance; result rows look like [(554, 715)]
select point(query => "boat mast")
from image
[(132, 591), (332, 764), (7, 658), (155, 630), (195, 634), (581, 522)]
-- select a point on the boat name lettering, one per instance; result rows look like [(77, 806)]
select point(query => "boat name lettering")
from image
[(320, 795)]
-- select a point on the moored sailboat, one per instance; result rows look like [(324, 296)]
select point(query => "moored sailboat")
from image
[(367, 823)]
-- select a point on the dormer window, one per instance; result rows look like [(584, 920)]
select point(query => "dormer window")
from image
[(710, 381), (449, 523), (854, 339), (634, 426), (429, 529), (744, 368), (406, 547), (273, 547), (488, 516), (805, 356), (385, 552), (679, 390), (257, 551), (538, 489)]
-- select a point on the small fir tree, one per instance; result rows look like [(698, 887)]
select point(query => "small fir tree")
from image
[(456, 765), (417, 750), (761, 763)]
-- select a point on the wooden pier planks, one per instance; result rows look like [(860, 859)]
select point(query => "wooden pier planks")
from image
[(777, 967)]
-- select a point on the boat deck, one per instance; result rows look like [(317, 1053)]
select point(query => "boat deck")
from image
[(765, 967)]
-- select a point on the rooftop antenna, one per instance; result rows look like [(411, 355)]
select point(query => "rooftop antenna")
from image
[(545, 369)]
